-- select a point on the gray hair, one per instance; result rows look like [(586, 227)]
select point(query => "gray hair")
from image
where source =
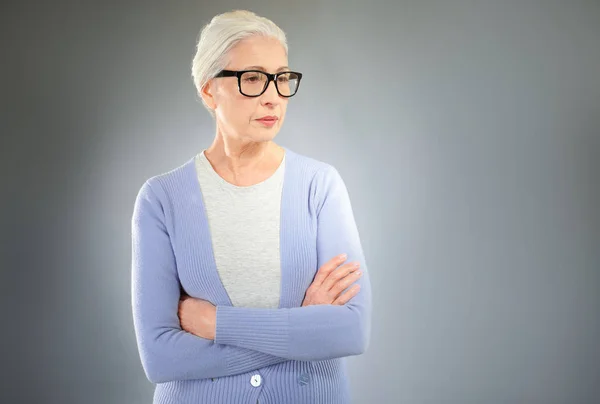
[(222, 33)]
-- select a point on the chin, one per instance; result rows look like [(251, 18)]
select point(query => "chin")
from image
[(266, 138), (266, 135)]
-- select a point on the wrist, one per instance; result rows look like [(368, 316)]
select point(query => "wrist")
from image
[(213, 323)]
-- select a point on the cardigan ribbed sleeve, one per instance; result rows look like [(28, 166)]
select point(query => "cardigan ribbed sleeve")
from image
[(315, 332), (167, 352)]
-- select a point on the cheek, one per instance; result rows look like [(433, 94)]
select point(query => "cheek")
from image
[(230, 100), (236, 110), (244, 110), (239, 114)]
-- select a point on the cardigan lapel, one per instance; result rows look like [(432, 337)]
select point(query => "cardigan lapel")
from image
[(198, 268), (298, 249), (297, 254)]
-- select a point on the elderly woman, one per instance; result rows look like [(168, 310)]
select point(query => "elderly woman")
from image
[(249, 283)]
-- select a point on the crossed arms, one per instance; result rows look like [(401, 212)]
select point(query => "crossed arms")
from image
[(246, 338)]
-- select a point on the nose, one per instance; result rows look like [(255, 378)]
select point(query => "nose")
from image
[(270, 95)]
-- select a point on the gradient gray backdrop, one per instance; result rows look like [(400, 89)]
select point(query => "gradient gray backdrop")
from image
[(468, 134)]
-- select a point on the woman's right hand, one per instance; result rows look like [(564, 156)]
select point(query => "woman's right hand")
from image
[(328, 284)]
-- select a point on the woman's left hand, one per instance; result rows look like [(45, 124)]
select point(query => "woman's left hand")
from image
[(197, 317)]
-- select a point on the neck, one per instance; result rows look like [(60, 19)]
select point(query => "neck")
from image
[(240, 155)]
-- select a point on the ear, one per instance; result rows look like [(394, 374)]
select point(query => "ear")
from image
[(207, 94)]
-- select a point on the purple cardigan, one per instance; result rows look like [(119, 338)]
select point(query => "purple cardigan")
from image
[(291, 354)]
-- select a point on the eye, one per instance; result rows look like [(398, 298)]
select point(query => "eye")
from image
[(251, 78)]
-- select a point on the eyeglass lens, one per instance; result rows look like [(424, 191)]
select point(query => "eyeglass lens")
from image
[(253, 83)]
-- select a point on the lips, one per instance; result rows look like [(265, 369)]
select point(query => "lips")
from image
[(268, 119)]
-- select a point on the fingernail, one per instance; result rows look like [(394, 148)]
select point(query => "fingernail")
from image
[(343, 256)]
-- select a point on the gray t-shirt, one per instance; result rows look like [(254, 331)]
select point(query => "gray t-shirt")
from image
[(244, 224)]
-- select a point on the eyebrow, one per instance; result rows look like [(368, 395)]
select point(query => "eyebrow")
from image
[(262, 68)]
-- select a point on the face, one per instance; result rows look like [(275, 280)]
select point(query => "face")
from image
[(237, 115)]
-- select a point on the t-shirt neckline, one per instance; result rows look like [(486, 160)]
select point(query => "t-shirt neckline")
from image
[(232, 187)]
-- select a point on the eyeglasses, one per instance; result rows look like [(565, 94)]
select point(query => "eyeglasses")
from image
[(253, 83)]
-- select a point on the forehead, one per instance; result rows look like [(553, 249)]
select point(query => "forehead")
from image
[(257, 51)]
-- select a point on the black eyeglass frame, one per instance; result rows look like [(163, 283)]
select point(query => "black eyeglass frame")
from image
[(270, 77)]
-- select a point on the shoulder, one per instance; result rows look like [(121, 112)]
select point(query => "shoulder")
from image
[(317, 170), (324, 179), (158, 188)]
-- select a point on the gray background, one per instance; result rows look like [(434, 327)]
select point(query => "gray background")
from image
[(468, 135)]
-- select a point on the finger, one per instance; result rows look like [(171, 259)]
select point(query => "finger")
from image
[(341, 273), (345, 282), (326, 269), (346, 296)]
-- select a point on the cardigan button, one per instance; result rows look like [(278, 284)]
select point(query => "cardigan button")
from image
[(303, 379), (255, 380)]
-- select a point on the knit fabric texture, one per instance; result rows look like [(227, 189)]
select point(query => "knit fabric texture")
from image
[(290, 354)]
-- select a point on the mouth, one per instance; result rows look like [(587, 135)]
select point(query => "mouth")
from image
[(268, 119)]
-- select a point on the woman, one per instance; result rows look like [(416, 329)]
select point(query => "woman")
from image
[(239, 290)]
